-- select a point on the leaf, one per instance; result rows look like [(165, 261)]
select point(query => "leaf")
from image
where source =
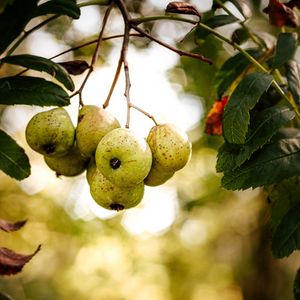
[(12, 263), (243, 99), (3, 5), (281, 15), (262, 128), (286, 236), (42, 64), (293, 78), (231, 69), (75, 67), (13, 160), (178, 7), (9, 226), (297, 286), (58, 7), (31, 91), (271, 164), (285, 48), (13, 21), (4, 297), (221, 20)]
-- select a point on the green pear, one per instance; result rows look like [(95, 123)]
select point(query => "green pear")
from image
[(91, 170), (123, 157), (170, 147), (51, 132), (110, 196), (71, 164), (93, 124), (157, 176)]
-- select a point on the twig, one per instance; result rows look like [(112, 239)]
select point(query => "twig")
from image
[(144, 112), (95, 55)]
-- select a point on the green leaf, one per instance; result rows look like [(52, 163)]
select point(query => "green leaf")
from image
[(58, 7), (31, 91), (293, 78), (271, 164), (221, 20), (13, 21), (13, 160), (42, 64), (261, 129), (297, 286), (231, 69), (286, 236), (243, 99), (285, 48)]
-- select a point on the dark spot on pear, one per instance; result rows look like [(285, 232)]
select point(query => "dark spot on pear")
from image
[(49, 148), (115, 163), (80, 118), (116, 206)]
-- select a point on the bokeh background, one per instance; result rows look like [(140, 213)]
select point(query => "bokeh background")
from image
[(189, 238)]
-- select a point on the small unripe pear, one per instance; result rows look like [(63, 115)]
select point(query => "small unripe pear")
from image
[(123, 157), (170, 147), (91, 170), (157, 176), (110, 196), (51, 132), (93, 124), (70, 164)]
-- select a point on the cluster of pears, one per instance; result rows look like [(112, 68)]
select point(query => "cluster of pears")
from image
[(118, 162)]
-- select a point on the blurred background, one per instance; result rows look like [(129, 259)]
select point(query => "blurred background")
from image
[(189, 238)]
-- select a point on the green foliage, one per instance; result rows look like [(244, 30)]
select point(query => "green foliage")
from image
[(293, 79), (220, 20), (245, 96), (13, 160), (42, 64), (31, 91)]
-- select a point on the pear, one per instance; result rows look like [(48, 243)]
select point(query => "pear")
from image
[(170, 147), (71, 164), (51, 132), (123, 157), (93, 124), (110, 196), (91, 170), (157, 176)]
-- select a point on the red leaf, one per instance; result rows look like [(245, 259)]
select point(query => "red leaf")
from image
[(75, 67), (9, 226), (280, 14), (185, 8), (12, 263), (214, 119)]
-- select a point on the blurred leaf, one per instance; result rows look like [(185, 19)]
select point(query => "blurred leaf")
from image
[(31, 91), (178, 7), (243, 99), (240, 35), (13, 160), (261, 129), (9, 226), (75, 67), (231, 69), (281, 15), (4, 3), (285, 48), (293, 78), (293, 3), (286, 236), (58, 7), (13, 20), (274, 162), (5, 297), (221, 20), (42, 64), (297, 286), (12, 263)]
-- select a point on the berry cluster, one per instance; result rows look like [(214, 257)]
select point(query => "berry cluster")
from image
[(118, 161)]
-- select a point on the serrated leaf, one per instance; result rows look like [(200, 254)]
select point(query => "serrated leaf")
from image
[(42, 64), (293, 78), (13, 160), (13, 21), (261, 129), (286, 236), (297, 286), (271, 164), (221, 20), (231, 69), (285, 48), (58, 7), (31, 91), (243, 99)]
